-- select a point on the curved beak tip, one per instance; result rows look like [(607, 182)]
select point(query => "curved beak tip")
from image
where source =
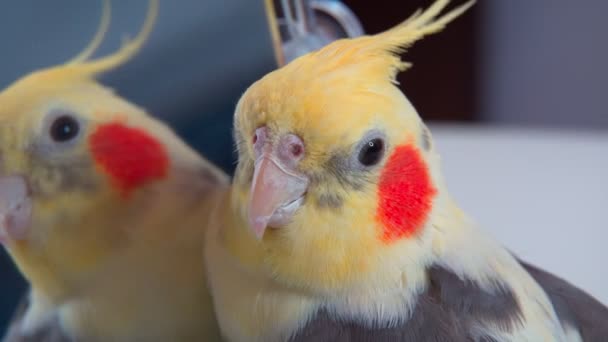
[(272, 189), (258, 226)]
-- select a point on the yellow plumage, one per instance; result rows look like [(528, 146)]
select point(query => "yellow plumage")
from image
[(103, 266), (330, 98), (318, 259)]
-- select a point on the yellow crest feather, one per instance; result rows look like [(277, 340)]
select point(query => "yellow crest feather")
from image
[(377, 54), (80, 67), (104, 24), (418, 25), (126, 52)]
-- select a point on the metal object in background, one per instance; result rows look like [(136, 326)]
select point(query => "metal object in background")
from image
[(307, 25)]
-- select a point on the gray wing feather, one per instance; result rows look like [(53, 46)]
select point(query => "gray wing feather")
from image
[(573, 306), (445, 312)]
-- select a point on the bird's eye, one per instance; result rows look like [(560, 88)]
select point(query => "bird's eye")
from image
[(371, 153), (64, 128)]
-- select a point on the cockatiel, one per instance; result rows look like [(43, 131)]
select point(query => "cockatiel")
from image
[(353, 234), (103, 209)]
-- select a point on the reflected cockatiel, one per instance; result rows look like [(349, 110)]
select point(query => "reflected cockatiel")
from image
[(103, 209), (353, 234)]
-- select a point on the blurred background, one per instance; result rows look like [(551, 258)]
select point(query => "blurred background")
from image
[(515, 93)]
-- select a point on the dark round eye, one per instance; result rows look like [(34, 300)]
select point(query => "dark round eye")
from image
[(371, 153), (64, 128)]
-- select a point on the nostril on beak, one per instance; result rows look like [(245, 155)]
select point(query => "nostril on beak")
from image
[(291, 149), (288, 150), (259, 141), (260, 135), (296, 150)]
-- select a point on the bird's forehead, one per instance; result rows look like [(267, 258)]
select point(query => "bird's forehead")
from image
[(301, 104), (312, 121), (331, 114)]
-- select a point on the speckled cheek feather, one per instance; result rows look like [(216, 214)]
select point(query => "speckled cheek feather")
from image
[(405, 193), (130, 156)]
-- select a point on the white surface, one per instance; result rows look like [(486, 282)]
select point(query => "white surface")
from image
[(542, 194)]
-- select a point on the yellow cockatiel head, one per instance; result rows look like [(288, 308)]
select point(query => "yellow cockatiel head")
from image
[(336, 168), (75, 161)]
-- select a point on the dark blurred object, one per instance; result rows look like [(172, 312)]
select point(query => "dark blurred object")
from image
[(443, 81), (302, 26), (12, 287)]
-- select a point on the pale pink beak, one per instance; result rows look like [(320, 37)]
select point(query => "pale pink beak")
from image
[(277, 190), (15, 208)]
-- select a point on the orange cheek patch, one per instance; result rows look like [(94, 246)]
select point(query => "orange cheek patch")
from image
[(130, 156), (405, 193)]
